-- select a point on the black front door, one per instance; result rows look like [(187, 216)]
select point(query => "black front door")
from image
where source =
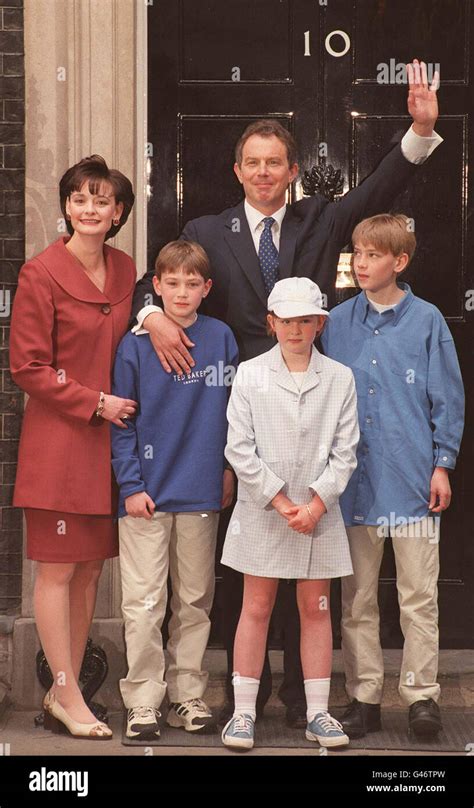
[(331, 72)]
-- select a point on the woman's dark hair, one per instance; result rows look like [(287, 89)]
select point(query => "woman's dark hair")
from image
[(96, 170)]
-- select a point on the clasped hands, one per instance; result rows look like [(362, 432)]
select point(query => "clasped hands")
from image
[(301, 518)]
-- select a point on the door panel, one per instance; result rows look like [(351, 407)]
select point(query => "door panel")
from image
[(260, 47)]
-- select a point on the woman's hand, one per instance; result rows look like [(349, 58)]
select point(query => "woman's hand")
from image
[(116, 408), (140, 505), (170, 342)]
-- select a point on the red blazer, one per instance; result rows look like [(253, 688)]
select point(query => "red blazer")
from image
[(64, 334)]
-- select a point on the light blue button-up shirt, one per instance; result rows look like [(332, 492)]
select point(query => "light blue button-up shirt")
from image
[(410, 403)]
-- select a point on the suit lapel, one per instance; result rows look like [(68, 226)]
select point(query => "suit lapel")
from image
[(289, 231), (239, 239)]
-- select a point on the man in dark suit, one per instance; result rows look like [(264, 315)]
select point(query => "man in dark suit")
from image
[(253, 245)]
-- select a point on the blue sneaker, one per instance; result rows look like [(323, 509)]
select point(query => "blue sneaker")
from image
[(239, 732), (326, 730)]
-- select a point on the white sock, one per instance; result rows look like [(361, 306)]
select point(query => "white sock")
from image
[(317, 696), (245, 694)]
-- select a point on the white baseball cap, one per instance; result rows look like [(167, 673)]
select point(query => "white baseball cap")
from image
[(296, 297)]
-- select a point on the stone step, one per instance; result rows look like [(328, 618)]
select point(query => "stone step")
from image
[(456, 671)]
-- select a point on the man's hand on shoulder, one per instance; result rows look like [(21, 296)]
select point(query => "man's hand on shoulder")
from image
[(170, 342)]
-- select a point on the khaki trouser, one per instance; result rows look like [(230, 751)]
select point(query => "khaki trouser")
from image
[(416, 550), (183, 544)]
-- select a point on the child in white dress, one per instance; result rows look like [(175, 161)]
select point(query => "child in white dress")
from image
[(291, 441)]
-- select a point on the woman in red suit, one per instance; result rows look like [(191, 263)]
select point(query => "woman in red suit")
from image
[(71, 309)]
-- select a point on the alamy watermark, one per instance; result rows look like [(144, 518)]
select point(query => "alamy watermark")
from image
[(408, 527), (393, 72)]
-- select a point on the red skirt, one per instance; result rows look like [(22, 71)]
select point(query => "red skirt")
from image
[(69, 537)]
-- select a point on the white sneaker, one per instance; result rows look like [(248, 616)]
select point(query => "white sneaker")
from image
[(142, 723), (194, 715)]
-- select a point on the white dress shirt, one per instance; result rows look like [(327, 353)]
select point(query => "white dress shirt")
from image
[(255, 222)]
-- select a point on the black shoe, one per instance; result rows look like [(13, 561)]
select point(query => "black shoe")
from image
[(227, 711), (424, 718), (296, 715), (361, 718)]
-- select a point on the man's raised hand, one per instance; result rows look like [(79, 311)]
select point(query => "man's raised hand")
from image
[(422, 100)]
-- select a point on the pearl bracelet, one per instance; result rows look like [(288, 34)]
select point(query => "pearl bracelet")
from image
[(310, 512)]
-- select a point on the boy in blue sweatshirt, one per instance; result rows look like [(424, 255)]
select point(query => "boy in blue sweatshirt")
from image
[(169, 464), (411, 412)]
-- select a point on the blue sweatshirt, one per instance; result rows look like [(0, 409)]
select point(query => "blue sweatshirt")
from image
[(174, 447)]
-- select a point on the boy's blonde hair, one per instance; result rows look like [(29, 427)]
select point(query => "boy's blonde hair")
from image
[(388, 233), (186, 255)]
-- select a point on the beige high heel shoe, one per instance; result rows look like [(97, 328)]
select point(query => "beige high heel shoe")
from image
[(58, 720)]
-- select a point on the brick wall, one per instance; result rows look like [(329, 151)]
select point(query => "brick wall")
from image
[(12, 213)]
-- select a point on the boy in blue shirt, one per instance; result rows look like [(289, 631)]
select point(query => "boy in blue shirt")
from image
[(411, 410), (169, 464)]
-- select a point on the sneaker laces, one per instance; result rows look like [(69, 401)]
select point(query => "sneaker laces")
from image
[(243, 723), (327, 722), (143, 712), (198, 705)]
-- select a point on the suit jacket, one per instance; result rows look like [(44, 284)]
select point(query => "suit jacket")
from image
[(314, 231), (282, 438), (64, 334)]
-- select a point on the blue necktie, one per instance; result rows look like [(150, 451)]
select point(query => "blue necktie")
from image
[(268, 256)]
